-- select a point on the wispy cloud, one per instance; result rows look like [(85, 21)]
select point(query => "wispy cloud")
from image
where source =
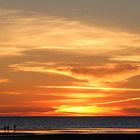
[(33, 30), (10, 93), (89, 87), (135, 58), (118, 101), (3, 80), (94, 75)]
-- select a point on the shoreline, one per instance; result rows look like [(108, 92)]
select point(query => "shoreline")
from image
[(74, 131)]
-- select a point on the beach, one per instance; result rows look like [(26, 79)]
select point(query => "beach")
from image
[(31, 136), (75, 134)]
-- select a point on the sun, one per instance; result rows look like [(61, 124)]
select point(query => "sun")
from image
[(78, 109)]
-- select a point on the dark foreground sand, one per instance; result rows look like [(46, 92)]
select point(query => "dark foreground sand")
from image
[(24, 136)]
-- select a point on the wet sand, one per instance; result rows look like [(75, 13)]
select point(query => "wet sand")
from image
[(72, 134), (32, 136)]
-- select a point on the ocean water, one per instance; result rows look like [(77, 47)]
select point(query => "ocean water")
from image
[(44, 123)]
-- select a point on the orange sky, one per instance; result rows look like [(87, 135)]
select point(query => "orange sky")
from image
[(65, 65)]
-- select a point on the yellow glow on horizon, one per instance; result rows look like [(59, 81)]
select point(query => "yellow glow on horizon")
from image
[(84, 110), (77, 109)]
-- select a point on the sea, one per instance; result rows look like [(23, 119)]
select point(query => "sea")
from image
[(72, 124)]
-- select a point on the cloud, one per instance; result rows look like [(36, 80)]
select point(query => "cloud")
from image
[(3, 80), (45, 56), (85, 110), (97, 75), (110, 13), (9, 93), (98, 110), (11, 51), (90, 88), (105, 73), (24, 110), (118, 101), (131, 110), (135, 58), (31, 30)]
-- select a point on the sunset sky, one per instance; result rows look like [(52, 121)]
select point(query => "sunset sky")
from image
[(70, 57)]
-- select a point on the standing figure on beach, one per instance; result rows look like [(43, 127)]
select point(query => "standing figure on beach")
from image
[(14, 127), (8, 128), (4, 128)]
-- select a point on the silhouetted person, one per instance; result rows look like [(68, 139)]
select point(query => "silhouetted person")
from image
[(4, 128), (14, 127), (8, 128)]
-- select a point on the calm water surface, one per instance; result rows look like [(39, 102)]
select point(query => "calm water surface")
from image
[(73, 124)]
